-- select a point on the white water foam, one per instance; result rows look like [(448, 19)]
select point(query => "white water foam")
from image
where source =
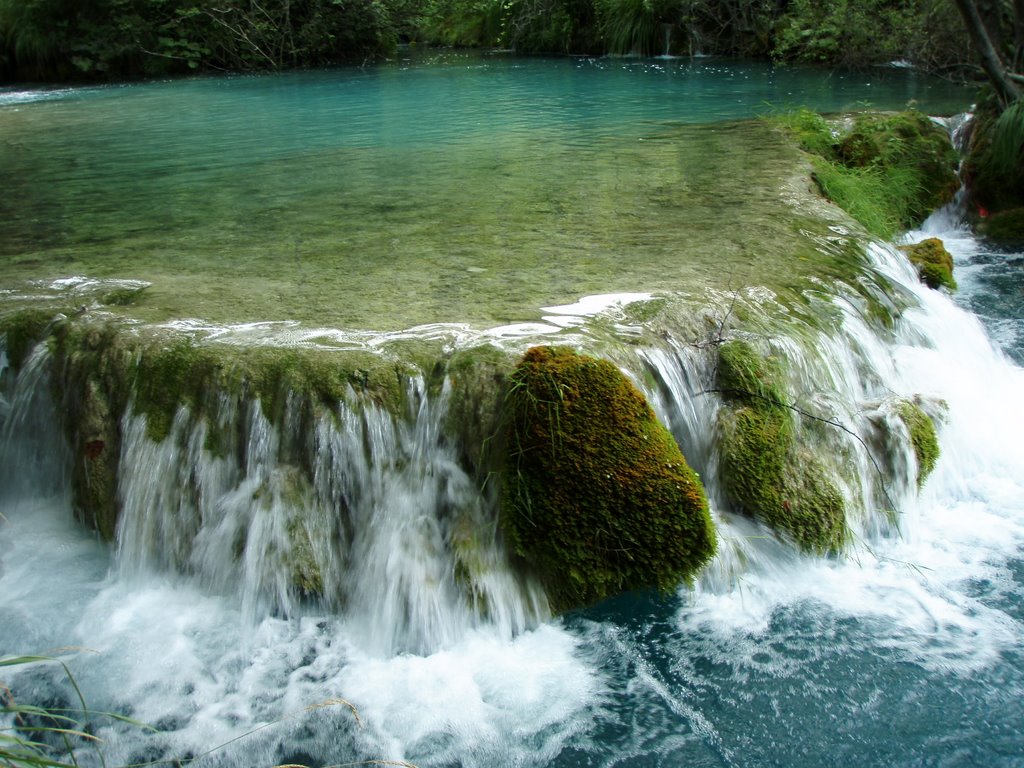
[(919, 586), (189, 661)]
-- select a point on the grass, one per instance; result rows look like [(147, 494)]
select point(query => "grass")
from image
[(42, 737), (888, 171), (32, 736)]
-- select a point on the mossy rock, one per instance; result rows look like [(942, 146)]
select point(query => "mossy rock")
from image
[(1005, 228), (910, 140), (934, 263), (923, 437), (597, 495), (743, 374), (21, 331), (478, 378), (887, 170), (993, 168), (765, 473)]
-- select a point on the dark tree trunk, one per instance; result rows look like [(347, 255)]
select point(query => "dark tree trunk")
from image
[(1018, 34), (991, 62)]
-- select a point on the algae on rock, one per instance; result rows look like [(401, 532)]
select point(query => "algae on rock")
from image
[(934, 263), (765, 473), (923, 437), (597, 496)]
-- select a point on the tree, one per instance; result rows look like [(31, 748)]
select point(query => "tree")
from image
[(1006, 82)]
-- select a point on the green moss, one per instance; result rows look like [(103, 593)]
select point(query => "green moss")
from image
[(122, 297), (765, 473), (888, 171), (178, 372), (934, 263), (644, 311), (1005, 228), (923, 437), (22, 331), (305, 572), (597, 496), (478, 378), (744, 374)]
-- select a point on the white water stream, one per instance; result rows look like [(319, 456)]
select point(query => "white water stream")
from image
[(201, 656)]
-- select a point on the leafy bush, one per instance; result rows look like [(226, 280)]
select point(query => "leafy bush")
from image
[(860, 33)]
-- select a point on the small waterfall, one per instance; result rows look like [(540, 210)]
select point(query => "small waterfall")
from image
[(354, 509), (846, 378), (34, 460)]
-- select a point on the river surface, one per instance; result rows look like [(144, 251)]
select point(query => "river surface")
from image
[(499, 185), (909, 651)]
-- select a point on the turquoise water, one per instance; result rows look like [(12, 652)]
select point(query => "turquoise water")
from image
[(906, 653), (447, 187)]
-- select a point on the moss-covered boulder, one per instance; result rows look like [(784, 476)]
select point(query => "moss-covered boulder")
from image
[(923, 437), (908, 140), (993, 168), (764, 472), (597, 495), (1005, 228), (887, 170), (934, 263)]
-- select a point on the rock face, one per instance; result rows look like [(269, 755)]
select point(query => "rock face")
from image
[(597, 495), (764, 472), (934, 263)]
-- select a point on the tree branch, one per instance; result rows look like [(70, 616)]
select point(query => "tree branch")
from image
[(990, 60)]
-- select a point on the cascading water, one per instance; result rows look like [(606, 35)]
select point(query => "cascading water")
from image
[(924, 609), (373, 515), (330, 586)]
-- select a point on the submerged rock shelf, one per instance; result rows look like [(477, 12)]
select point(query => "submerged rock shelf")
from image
[(502, 231)]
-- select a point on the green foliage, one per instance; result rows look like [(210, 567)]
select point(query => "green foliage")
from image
[(633, 26), (1005, 228), (597, 496), (994, 167), (98, 39), (475, 23), (888, 171), (860, 33), (934, 263), (923, 437), (765, 473)]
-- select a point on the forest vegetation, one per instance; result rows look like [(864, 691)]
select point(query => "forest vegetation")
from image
[(78, 40), (61, 40)]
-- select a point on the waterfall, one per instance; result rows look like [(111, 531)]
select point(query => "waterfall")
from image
[(358, 511), (370, 513), (344, 551)]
